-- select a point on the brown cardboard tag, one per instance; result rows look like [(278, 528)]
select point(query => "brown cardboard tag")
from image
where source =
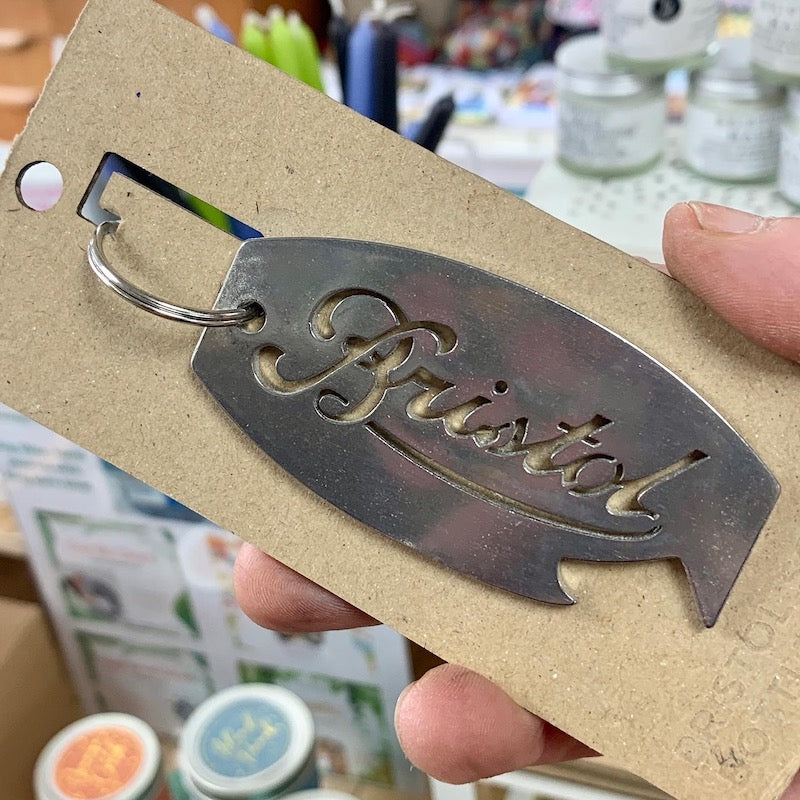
[(630, 669)]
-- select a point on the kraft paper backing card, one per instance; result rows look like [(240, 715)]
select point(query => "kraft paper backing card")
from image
[(630, 670)]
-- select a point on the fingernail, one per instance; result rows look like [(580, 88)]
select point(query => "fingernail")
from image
[(721, 219)]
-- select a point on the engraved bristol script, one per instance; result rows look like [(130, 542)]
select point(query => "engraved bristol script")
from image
[(383, 358), (478, 422)]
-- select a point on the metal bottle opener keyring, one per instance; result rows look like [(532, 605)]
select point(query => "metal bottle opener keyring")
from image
[(470, 418)]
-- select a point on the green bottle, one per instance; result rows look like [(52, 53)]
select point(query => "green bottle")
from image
[(282, 43), (307, 51), (253, 37)]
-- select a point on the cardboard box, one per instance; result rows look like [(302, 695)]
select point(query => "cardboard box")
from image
[(36, 697)]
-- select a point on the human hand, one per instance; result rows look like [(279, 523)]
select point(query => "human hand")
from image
[(454, 724)]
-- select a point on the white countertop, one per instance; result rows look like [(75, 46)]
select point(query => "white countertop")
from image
[(628, 212)]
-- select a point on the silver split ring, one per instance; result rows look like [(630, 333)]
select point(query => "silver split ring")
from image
[(211, 318)]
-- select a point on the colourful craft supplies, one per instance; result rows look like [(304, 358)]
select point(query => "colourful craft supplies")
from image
[(362, 87), (207, 18), (284, 41), (305, 45), (253, 36)]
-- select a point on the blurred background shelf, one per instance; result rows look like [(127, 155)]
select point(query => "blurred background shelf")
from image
[(12, 544)]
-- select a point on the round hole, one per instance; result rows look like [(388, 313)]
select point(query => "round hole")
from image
[(39, 186), (255, 324), (501, 387)]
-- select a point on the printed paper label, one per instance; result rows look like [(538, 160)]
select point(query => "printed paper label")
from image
[(776, 35), (729, 144), (597, 138)]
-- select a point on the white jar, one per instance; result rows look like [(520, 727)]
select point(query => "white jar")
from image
[(654, 36), (776, 41), (113, 756), (789, 164), (253, 741), (610, 123), (733, 120)]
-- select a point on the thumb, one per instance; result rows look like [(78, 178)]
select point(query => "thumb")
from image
[(745, 267)]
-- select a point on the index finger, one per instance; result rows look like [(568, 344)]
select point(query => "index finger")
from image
[(280, 599)]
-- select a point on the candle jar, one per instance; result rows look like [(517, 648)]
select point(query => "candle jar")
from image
[(789, 162), (610, 123), (654, 36), (733, 120)]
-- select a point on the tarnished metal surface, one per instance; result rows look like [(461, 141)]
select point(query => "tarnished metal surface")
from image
[(479, 422)]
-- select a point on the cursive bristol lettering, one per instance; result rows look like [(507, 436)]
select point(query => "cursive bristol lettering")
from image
[(479, 422), (383, 357)]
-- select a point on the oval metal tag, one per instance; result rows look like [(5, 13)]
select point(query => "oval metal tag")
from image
[(478, 422)]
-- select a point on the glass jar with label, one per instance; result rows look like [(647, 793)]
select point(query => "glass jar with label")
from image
[(776, 41), (108, 756), (655, 36), (789, 163), (253, 741), (610, 122), (733, 120)]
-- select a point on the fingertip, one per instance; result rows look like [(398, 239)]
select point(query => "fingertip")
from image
[(458, 727), (793, 790), (743, 266), (245, 558), (276, 597), (682, 215)]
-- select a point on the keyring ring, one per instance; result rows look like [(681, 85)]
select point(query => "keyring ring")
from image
[(212, 318)]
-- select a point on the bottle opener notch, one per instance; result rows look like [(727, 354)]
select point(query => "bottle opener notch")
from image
[(479, 422)]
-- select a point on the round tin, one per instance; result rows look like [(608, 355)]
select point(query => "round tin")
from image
[(102, 757), (248, 742), (733, 119), (610, 122)]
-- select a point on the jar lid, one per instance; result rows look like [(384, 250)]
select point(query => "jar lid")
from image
[(101, 757), (248, 740), (729, 74), (583, 68)]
